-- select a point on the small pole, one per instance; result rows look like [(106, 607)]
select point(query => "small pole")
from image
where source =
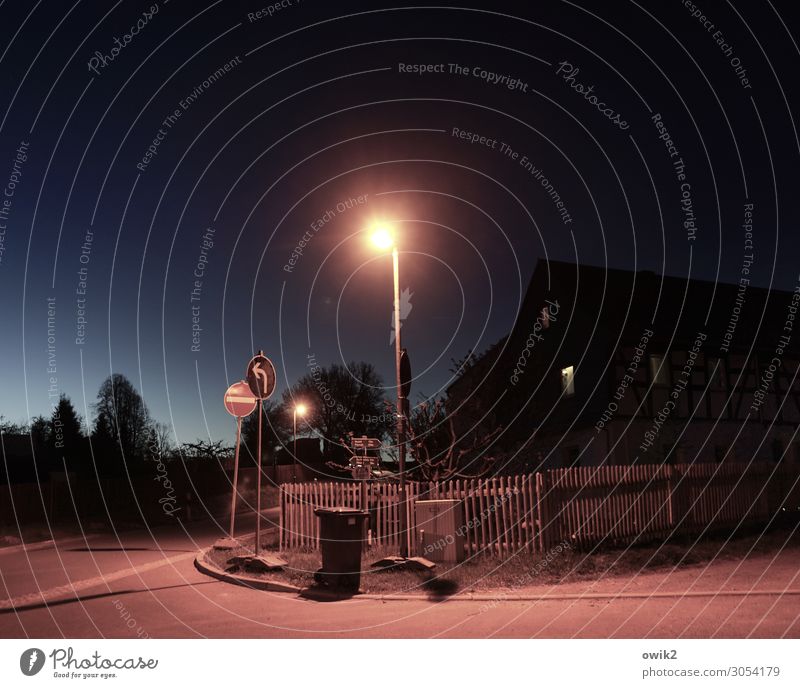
[(401, 446), (258, 484), (235, 471), (294, 448), (363, 492)]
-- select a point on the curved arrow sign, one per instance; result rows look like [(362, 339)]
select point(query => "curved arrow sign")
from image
[(261, 376)]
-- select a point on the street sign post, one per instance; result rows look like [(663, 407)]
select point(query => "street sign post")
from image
[(365, 443), (261, 380), (361, 469), (239, 402), (362, 473), (403, 390), (371, 461)]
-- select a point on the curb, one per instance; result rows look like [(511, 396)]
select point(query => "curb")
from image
[(45, 544), (245, 581), (500, 597), (276, 586)]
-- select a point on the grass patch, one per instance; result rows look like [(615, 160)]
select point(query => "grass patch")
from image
[(483, 573)]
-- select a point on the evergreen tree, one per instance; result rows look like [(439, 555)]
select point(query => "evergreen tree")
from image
[(65, 438)]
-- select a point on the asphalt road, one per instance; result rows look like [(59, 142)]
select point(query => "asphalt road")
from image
[(145, 584)]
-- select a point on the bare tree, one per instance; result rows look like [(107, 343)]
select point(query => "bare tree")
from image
[(122, 416), (10, 428), (440, 451), (341, 400), (203, 449), (159, 441)]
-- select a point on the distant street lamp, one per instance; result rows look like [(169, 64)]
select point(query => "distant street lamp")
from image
[(382, 238), (299, 410)]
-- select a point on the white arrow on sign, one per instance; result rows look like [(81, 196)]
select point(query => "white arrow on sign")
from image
[(261, 376)]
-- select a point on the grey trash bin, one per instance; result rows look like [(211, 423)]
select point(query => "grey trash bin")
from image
[(341, 539)]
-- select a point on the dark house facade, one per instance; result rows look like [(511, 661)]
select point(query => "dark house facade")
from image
[(618, 367)]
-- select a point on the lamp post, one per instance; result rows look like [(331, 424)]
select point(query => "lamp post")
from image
[(299, 409), (383, 239)]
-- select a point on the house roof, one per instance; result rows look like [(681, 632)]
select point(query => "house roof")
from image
[(604, 302)]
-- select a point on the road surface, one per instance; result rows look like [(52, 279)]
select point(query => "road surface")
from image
[(145, 585)]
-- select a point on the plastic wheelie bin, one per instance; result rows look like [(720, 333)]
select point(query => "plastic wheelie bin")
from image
[(341, 538)]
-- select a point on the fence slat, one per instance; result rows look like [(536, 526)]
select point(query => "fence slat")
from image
[(588, 505)]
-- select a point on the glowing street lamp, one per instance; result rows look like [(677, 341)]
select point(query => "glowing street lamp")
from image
[(382, 238), (299, 410)]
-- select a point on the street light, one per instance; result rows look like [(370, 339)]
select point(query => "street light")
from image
[(299, 410), (382, 238)]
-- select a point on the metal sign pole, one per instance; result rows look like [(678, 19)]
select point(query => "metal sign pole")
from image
[(258, 483), (239, 402), (401, 440), (236, 471)]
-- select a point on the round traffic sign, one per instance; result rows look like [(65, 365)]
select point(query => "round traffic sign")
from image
[(239, 400), (261, 376)]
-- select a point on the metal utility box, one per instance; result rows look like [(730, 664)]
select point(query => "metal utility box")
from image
[(440, 529)]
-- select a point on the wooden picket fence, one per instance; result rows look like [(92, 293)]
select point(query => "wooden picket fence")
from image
[(584, 506)]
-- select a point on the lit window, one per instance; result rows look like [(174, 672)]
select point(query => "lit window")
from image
[(568, 380), (658, 370)]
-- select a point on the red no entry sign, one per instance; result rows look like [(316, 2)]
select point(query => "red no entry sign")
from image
[(239, 400)]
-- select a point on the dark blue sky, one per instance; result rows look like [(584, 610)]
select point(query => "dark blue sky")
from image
[(311, 121)]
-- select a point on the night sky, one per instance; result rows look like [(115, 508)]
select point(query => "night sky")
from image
[(218, 168)]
